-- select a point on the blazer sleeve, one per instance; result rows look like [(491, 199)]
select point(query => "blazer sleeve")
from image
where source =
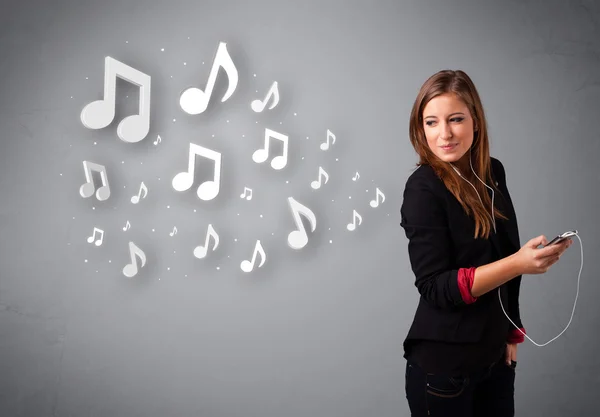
[(424, 220), (515, 335)]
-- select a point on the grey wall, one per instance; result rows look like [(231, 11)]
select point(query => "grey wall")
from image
[(316, 331)]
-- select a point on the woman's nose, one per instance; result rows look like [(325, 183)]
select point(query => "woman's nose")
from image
[(445, 131)]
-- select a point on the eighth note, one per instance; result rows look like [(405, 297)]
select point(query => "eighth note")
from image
[(317, 184), (200, 251), (248, 197), (195, 101), (248, 266), (174, 232), (98, 242), (136, 198), (259, 106), (127, 226), (355, 215), (130, 270), (298, 239), (87, 189), (375, 203), (356, 176), (330, 135), (158, 140)]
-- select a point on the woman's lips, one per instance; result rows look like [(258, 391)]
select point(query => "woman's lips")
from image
[(448, 148)]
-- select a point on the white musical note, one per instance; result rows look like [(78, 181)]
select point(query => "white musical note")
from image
[(158, 140), (87, 189), (378, 193), (98, 242), (200, 251), (317, 184), (330, 135), (174, 232), (184, 180), (127, 226), (249, 196), (258, 106), (136, 198), (356, 176), (298, 239), (100, 113), (130, 270), (248, 266), (355, 215), (261, 155), (195, 101)]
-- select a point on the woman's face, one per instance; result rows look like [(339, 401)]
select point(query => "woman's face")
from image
[(447, 120)]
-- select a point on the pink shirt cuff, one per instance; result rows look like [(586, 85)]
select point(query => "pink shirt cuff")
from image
[(465, 282), (515, 336)]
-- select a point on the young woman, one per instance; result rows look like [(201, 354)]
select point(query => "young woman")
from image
[(466, 255)]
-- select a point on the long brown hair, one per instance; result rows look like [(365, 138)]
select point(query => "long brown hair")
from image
[(459, 83)]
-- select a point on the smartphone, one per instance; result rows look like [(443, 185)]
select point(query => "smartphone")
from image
[(562, 237)]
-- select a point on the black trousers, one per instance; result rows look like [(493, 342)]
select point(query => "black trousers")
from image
[(488, 392)]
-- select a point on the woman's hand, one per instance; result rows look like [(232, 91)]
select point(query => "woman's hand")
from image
[(511, 353), (532, 260)]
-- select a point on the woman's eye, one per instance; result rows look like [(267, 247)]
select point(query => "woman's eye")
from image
[(457, 119)]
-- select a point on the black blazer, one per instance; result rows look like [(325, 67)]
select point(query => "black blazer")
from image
[(441, 241)]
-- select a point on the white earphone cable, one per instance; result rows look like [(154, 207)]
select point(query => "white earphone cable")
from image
[(499, 297)]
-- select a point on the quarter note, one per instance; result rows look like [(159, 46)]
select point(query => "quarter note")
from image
[(136, 198), (249, 196), (200, 251), (248, 266), (184, 180), (317, 184), (261, 155), (258, 106), (355, 215), (97, 242), (298, 239), (130, 270), (378, 193), (330, 135), (100, 113), (195, 101), (88, 189)]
